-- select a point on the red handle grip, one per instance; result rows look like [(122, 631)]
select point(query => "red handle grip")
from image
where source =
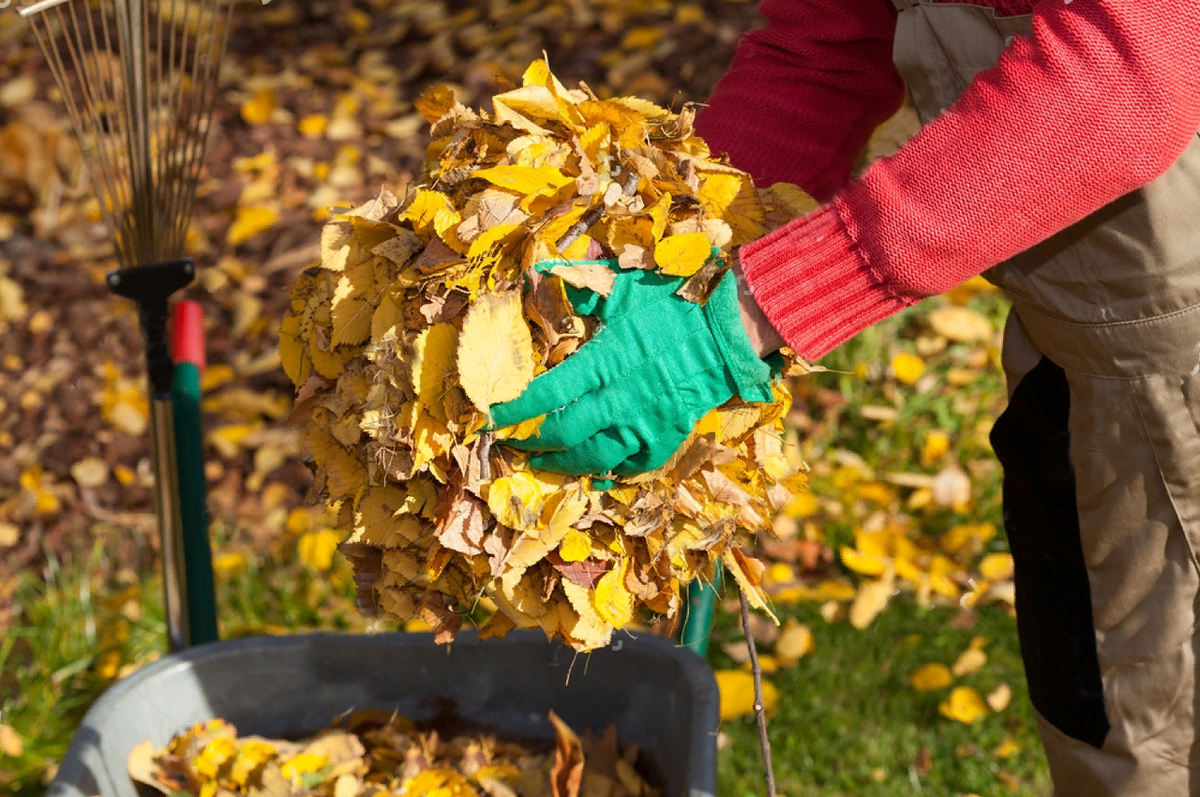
[(187, 333)]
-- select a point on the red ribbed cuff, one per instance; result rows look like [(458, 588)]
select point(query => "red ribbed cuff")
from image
[(813, 284)]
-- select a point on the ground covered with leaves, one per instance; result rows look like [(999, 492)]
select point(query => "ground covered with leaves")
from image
[(895, 668)]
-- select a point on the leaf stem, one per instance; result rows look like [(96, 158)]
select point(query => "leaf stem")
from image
[(592, 216), (760, 709)]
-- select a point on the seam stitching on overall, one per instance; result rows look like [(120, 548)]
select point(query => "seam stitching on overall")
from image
[(1137, 403), (1128, 323), (940, 58)]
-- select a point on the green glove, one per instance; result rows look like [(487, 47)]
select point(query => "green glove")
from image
[(626, 401)]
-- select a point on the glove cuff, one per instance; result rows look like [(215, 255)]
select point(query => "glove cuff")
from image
[(751, 375)]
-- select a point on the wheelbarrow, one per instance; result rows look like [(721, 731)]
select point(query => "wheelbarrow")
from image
[(661, 695)]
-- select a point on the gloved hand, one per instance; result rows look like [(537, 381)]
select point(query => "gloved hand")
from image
[(627, 399)]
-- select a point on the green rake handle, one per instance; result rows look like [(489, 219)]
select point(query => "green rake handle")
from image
[(697, 622), (187, 348)]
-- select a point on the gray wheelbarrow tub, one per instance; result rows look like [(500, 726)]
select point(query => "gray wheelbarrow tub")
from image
[(661, 697)]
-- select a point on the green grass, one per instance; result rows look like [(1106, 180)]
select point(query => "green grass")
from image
[(848, 722)]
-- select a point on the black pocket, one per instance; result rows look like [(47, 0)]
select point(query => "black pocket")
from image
[(1053, 597)]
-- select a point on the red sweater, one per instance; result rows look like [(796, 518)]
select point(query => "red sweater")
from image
[(1100, 100)]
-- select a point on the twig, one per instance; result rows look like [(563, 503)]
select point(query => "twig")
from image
[(628, 188), (760, 709)]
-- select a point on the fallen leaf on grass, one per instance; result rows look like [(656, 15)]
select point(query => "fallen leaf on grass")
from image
[(999, 698), (907, 367), (1008, 747), (795, 642), (960, 324), (969, 661), (963, 705), (872, 598), (930, 677), (737, 693), (11, 743)]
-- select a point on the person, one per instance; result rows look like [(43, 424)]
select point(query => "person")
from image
[(1058, 156)]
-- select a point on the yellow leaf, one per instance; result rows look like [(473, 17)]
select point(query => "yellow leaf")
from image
[(385, 518), (964, 705), (516, 500), (802, 505), (907, 367), (747, 571), (960, 324), (865, 564), (836, 589), (250, 759), (227, 564), (1007, 747), (996, 566), (732, 198), (961, 294), (575, 547), (293, 350), (643, 38), (521, 431), (966, 539), (345, 475), (689, 15), (536, 102), (791, 198), (439, 782), (779, 573), (423, 211), (249, 222), (872, 598), (495, 245), (215, 756), (495, 350), (435, 102), (936, 444), (313, 125), (999, 698), (795, 641), (11, 743), (682, 255), (526, 180), (969, 661), (351, 312), (613, 602), (737, 693), (930, 677), (433, 366), (258, 110), (316, 548), (303, 764), (766, 663)]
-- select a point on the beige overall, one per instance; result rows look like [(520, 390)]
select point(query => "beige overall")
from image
[(1101, 451)]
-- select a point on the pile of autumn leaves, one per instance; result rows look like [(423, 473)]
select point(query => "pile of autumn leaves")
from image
[(375, 753), (427, 310)]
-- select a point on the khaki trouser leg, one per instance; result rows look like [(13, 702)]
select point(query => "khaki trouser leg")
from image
[(1102, 508)]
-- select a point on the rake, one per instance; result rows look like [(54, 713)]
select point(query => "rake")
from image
[(138, 79)]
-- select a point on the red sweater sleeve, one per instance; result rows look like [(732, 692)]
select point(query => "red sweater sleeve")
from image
[(1100, 100), (804, 94)]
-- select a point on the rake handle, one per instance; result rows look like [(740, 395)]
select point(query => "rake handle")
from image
[(150, 287)]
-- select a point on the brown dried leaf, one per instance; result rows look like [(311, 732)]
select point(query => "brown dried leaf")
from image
[(567, 774)]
